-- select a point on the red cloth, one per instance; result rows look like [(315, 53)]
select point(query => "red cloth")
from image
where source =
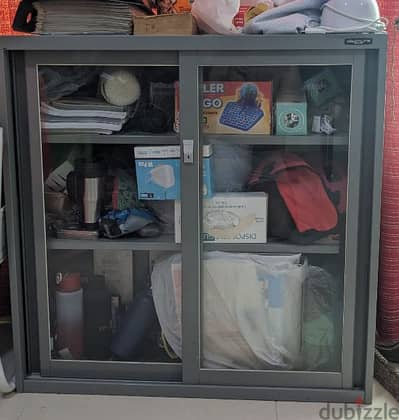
[(304, 195), (388, 297), (302, 190)]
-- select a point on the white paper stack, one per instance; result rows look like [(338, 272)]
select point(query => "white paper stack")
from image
[(82, 17), (82, 115)]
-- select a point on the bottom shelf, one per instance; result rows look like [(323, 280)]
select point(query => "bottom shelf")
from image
[(275, 247)]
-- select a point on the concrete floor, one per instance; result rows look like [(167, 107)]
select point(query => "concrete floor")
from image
[(81, 407)]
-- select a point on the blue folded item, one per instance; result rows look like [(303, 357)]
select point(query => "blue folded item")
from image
[(118, 223), (292, 17)]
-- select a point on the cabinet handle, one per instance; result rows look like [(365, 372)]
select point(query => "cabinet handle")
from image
[(188, 151)]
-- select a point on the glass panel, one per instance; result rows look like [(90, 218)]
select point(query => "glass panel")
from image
[(275, 163), (111, 173)]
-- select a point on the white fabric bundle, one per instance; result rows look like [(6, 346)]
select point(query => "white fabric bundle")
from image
[(251, 309), (120, 87), (7, 379), (7, 360)]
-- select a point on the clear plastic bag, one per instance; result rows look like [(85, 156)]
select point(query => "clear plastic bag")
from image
[(61, 81), (232, 167), (251, 309), (216, 16)]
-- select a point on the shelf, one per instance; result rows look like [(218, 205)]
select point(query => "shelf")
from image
[(275, 248), (167, 243), (83, 138), (322, 43), (163, 243), (256, 139), (174, 139)]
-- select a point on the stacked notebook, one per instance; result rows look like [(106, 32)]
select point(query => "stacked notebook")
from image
[(82, 115), (82, 17)]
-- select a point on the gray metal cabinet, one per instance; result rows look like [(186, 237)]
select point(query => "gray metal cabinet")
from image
[(356, 62)]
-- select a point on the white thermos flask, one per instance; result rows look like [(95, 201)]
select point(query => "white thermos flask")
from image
[(69, 308)]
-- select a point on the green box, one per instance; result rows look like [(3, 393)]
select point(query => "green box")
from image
[(291, 118)]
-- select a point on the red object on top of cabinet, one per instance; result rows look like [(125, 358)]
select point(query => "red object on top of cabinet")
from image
[(7, 13)]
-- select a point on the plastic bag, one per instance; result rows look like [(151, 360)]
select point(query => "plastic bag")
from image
[(58, 82), (232, 167), (251, 309), (216, 17), (322, 319), (119, 223)]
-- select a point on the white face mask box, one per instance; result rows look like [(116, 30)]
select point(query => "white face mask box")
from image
[(231, 218), (158, 172)]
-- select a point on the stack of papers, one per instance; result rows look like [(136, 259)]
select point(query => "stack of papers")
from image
[(82, 17), (82, 115)]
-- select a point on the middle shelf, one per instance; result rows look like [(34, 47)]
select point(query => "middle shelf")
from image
[(167, 243), (174, 139)]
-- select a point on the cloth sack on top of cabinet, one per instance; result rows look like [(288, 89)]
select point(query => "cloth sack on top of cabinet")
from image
[(216, 16), (293, 17), (251, 309)]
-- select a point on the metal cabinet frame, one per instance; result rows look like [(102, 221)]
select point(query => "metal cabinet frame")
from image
[(19, 110)]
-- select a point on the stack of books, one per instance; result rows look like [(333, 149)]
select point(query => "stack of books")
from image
[(82, 17), (82, 115)]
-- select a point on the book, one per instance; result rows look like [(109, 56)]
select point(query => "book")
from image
[(82, 17)]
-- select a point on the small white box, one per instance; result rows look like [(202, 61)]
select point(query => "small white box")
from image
[(231, 218), (117, 268)]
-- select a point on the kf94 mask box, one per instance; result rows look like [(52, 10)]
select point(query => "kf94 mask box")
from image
[(158, 172), (234, 107), (231, 218)]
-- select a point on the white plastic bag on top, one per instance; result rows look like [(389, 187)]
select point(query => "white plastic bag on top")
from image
[(216, 16)]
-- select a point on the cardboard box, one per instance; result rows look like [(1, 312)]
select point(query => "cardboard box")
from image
[(291, 115), (175, 24), (158, 172), (234, 107), (231, 218)]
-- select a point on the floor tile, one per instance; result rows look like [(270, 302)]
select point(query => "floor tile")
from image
[(57, 407), (82, 407), (11, 406)]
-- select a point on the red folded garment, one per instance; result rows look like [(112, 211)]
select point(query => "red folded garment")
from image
[(304, 194)]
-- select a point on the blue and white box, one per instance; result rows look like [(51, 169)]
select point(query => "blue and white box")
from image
[(158, 172)]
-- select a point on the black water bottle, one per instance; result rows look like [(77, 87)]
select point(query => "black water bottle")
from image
[(98, 315), (138, 321)]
